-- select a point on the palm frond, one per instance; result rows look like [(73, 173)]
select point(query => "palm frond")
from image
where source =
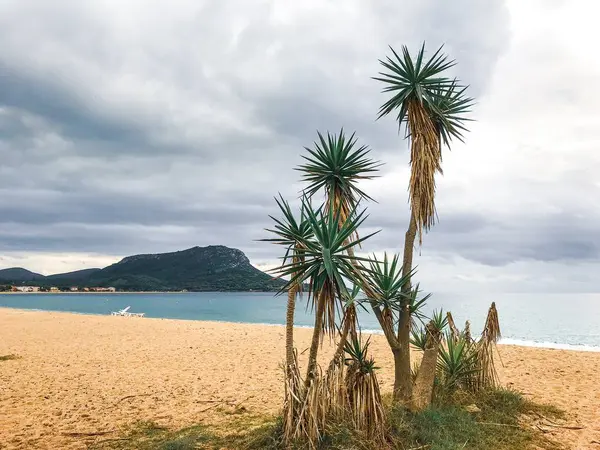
[(325, 263), (387, 283), (336, 164)]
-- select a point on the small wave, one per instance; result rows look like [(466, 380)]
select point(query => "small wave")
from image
[(554, 345)]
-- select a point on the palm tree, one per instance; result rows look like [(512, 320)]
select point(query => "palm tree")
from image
[(291, 233), (325, 263), (431, 107), (389, 302), (334, 167)]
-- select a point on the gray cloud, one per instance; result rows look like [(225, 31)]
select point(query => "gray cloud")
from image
[(131, 130)]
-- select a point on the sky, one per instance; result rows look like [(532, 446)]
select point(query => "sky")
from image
[(146, 126)]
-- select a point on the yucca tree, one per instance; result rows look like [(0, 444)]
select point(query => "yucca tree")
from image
[(326, 266), (431, 108), (390, 303), (290, 232), (334, 167)]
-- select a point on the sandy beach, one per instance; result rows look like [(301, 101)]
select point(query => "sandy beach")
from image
[(86, 374)]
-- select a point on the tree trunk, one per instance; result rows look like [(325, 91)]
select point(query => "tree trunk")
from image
[(423, 390), (403, 379), (289, 327), (316, 340), (402, 373)]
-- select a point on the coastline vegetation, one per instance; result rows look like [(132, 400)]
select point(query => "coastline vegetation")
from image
[(502, 420), (320, 246)]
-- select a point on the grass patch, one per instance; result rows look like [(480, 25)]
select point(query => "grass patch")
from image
[(500, 422), (497, 424), (9, 357)]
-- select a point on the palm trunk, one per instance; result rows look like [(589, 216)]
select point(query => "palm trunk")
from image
[(423, 390), (403, 379), (339, 351), (289, 327), (316, 340)]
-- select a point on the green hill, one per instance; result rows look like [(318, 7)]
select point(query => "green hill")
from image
[(212, 268), (19, 275)]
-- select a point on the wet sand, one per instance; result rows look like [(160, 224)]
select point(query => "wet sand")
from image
[(89, 374)]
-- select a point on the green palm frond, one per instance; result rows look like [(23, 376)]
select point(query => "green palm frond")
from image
[(418, 337), (457, 364), (290, 232), (451, 105), (357, 354), (439, 320), (336, 164), (387, 283), (326, 264), (443, 97), (417, 303)]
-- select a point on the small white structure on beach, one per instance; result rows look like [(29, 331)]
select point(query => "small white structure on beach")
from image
[(125, 313)]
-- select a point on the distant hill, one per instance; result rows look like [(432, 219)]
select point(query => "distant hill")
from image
[(77, 275), (18, 274), (212, 268)]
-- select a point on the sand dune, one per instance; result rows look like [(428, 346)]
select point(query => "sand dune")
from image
[(83, 374)]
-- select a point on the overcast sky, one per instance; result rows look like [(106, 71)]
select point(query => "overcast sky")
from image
[(149, 126)]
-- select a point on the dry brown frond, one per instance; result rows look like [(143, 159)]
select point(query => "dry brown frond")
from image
[(311, 420), (454, 332), (467, 332), (334, 377), (491, 331), (293, 402), (364, 401), (425, 161), (488, 376)]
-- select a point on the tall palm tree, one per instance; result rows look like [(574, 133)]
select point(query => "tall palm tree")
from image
[(334, 167), (291, 233), (431, 107)]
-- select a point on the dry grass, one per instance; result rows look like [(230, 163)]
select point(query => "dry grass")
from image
[(425, 161), (499, 425)]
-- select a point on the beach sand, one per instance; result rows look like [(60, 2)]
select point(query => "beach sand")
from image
[(88, 374)]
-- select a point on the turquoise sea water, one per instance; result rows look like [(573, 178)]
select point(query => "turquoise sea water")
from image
[(548, 320)]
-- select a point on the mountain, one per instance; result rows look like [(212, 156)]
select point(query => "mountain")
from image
[(212, 268), (77, 275), (18, 274), (71, 278)]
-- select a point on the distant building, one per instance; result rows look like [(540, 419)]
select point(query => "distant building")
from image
[(105, 289), (26, 289), (74, 289), (54, 289)]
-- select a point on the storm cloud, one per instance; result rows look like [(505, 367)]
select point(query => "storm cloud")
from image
[(136, 127)]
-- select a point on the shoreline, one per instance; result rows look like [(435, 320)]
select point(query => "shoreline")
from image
[(511, 342), (135, 292)]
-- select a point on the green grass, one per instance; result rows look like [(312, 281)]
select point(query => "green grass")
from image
[(499, 426), (9, 357)]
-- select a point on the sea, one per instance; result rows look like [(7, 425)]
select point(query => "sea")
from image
[(564, 321)]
